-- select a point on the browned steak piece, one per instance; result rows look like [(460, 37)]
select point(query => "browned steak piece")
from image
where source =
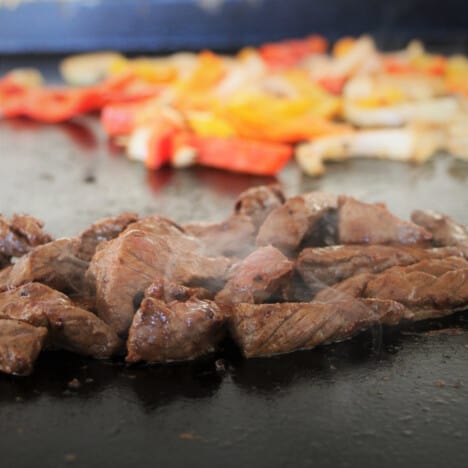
[(4, 261), (235, 237), (149, 249), (430, 288), (19, 234), (174, 331), (55, 264), (366, 223), (265, 329), (444, 230), (4, 276), (20, 344), (70, 327), (169, 291), (258, 202), (291, 224), (105, 229), (257, 277), (325, 266)]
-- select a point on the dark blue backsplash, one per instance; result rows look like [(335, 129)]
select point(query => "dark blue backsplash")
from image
[(165, 25)]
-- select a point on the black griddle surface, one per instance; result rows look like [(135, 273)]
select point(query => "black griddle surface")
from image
[(387, 398)]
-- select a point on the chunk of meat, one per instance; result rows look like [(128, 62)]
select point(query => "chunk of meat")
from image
[(322, 267), (105, 229), (69, 326), (174, 331), (445, 230), (169, 291), (20, 344), (4, 277), (19, 234), (4, 261), (297, 221), (257, 277), (149, 249), (366, 223), (235, 237), (55, 264), (258, 202), (430, 288), (266, 329)]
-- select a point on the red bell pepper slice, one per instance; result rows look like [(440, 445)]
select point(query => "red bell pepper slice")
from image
[(288, 53), (239, 155), (160, 146), (333, 84), (119, 119)]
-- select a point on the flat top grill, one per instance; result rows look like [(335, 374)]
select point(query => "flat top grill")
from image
[(387, 398)]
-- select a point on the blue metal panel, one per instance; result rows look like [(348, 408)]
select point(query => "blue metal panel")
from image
[(158, 25)]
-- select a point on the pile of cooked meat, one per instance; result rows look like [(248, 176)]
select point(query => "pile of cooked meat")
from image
[(276, 276)]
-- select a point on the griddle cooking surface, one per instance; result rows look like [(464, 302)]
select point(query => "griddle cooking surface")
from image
[(391, 398)]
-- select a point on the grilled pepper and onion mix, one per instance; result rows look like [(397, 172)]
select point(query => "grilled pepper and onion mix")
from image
[(253, 111)]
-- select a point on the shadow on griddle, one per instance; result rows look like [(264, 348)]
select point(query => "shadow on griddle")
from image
[(63, 375)]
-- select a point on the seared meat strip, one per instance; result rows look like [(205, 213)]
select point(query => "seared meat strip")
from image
[(430, 288), (149, 249), (325, 266), (105, 229), (366, 223), (174, 331), (19, 234), (265, 329), (236, 236), (55, 264), (20, 344), (444, 230), (70, 327), (257, 277), (290, 225)]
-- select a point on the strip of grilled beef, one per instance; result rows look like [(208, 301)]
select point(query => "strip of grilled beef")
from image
[(103, 230), (367, 223), (55, 264), (19, 234), (235, 237), (430, 288), (292, 224), (20, 344), (175, 330), (266, 329), (325, 266), (257, 277), (70, 327), (147, 250), (445, 230)]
